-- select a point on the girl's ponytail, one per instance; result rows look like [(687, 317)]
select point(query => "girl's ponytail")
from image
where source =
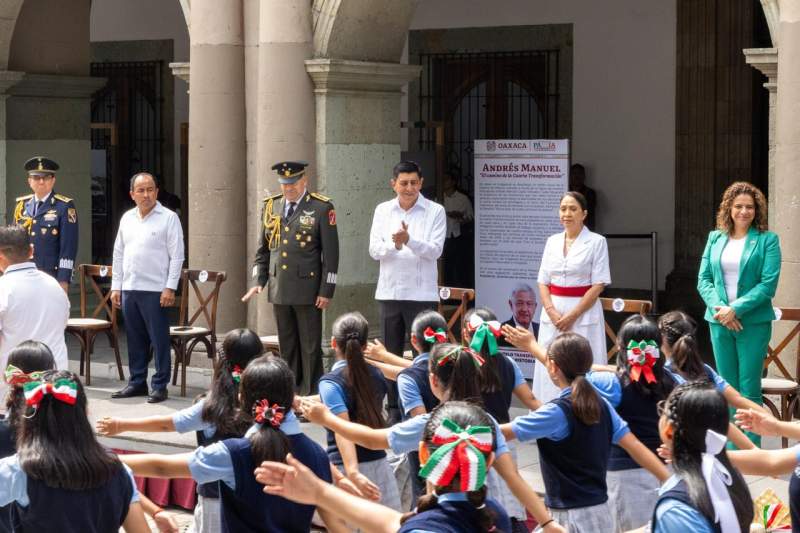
[(678, 330), (483, 329), (572, 354), (458, 371), (429, 329), (267, 391), (350, 331), (221, 407)]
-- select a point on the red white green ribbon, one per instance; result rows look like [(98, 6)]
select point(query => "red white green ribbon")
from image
[(452, 355), (236, 373), (483, 332), (264, 412), (434, 336), (461, 451), (63, 389), (642, 355), (15, 376)]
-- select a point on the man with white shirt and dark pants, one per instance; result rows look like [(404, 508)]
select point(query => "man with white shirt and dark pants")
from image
[(148, 257), (33, 306), (407, 237)]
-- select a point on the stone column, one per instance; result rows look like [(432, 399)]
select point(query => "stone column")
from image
[(786, 219), (217, 180), (285, 115), (765, 60), (7, 80), (358, 143)]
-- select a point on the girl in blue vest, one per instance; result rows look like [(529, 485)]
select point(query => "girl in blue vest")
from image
[(685, 362), (267, 386), (706, 494), (354, 390), (575, 433), (501, 379), (61, 479), (457, 450), (454, 375), (215, 417)]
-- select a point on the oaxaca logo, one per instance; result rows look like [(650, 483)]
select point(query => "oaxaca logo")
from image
[(512, 145), (544, 146), (491, 146)]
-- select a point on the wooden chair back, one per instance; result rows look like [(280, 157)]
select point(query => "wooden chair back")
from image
[(464, 297), (206, 292), (641, 307), (88, 280), (788, 314)]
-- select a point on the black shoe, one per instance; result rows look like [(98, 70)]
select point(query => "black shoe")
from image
[(157, 396), (130, 391)]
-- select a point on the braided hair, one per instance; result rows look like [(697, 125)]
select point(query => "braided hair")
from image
[(692, 409), (679, 332)]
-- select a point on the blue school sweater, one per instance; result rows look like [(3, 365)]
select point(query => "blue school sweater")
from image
[(453, 514)]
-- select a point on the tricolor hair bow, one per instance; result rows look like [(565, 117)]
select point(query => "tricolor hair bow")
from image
[(483, 332), (453, 353), (63, 389), (15, 376), (264, 412), (642, 355), (236, 373), (461, 451), (434, 336)]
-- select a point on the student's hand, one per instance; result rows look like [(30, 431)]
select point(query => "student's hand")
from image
[(757, 421), (519, 337), (165, 522), (665, 453), (566, 321), (313, 411), (367, 488), (348, 486), (108, 426), (293, 481), (375, 350)]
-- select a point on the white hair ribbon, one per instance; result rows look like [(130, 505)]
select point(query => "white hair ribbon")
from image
[(718, 479)]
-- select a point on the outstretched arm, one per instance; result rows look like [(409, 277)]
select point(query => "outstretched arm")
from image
[(110, 426), (374, 439), (158, 465), (765, 462), (524, 493), (644, 457)]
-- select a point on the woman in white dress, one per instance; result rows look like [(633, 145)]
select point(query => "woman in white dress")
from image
[(573, 273)]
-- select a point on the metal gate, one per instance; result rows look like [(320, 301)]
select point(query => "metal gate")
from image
[(127, 123), (487, 95)]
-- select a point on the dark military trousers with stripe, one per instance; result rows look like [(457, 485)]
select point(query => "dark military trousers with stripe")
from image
[(300, 338)]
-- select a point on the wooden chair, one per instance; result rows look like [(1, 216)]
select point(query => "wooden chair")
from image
[(456, 313), (187, 334), (788, 386), (271, 344), (102, 319), (629, 306)]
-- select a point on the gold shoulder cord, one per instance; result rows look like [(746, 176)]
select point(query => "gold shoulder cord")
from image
[(26, 222), (272, 224)]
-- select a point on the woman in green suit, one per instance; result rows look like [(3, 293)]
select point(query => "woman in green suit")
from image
[(737, 280)]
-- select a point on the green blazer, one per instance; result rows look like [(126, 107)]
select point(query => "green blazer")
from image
[(759, 270)]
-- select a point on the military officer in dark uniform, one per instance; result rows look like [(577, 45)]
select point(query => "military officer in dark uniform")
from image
[(51, 220), (297, 259)]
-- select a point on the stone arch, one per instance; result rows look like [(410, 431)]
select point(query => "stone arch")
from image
[(363, 30)]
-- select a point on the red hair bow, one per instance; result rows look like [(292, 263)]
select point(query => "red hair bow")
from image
[(263, 412)]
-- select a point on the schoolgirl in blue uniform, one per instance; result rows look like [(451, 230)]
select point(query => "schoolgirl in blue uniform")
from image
[(214, 418), (457, 450), (267, 385), (354, 390), (61, 479), (501, 379), (706, 494), (454, 375), (574, 434), (685, 362)]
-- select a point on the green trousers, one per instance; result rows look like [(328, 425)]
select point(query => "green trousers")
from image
[(740, 359)]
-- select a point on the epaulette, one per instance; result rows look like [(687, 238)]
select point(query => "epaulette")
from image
[(273, 197), (319, 196), (23, 198), (63, 198)]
